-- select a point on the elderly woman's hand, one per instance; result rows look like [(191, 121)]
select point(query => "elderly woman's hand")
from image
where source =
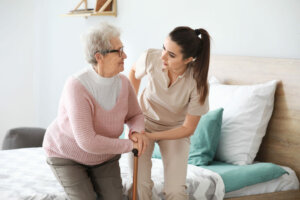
[(141, 140)]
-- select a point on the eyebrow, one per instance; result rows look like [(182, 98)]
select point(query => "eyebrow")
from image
[(170, 52)]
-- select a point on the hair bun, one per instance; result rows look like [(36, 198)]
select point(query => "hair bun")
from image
[(197, 31)]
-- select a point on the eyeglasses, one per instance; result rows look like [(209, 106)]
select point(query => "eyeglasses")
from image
[(120, 51)]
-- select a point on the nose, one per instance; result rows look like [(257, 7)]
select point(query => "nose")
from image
[(163, 55), (124, 56)]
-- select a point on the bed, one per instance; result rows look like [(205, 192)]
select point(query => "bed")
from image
[(281, 143), (25, 175)]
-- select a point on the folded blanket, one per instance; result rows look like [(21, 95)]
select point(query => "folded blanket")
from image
[(238, 176)]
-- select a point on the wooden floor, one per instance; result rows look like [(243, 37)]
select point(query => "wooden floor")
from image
[(286, 195)]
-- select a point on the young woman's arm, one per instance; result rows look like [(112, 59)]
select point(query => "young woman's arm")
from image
[(187, 129), (135, 82)]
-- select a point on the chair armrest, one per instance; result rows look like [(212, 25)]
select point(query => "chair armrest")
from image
[(23, 137)]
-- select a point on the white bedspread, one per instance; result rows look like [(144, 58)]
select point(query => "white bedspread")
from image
[(24, 174)]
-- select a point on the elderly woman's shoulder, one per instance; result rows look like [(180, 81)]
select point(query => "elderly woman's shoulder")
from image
[(124, 79), (77, 76), (72, 83)]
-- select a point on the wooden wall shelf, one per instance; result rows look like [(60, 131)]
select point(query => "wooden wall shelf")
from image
[(102, 7)]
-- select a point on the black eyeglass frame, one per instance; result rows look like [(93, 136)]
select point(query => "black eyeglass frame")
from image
[(120, 51)]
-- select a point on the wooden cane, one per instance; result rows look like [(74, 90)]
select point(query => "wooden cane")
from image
[(135, 171)]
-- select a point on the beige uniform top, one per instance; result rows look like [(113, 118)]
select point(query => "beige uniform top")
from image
[(166, 107)]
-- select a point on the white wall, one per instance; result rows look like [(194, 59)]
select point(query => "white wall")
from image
[(50, 45), (17, 61)]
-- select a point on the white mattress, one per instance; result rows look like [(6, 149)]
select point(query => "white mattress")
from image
[(24, 174)]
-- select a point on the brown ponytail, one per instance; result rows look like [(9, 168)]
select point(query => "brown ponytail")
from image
[(196, 44)]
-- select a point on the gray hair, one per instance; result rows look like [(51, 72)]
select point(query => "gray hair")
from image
[(97, 39)]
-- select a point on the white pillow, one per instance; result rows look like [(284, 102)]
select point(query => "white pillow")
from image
[(247, 111)]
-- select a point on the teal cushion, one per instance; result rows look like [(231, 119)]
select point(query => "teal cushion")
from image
[(205, 139), (238, 176), (156, 152)]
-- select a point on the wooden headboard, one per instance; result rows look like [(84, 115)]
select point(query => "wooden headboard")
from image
[(281, 144)]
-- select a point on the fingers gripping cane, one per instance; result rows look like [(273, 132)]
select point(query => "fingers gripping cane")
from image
[(135, 171)]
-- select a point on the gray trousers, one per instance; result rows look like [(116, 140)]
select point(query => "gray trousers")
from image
[(83, 182)]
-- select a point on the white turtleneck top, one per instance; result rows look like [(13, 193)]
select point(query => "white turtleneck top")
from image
[(104, 90)]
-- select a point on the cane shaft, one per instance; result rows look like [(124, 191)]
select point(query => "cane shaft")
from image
[(135, 171)]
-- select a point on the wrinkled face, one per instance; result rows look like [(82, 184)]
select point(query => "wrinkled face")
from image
[(172, 56), (113, 62)]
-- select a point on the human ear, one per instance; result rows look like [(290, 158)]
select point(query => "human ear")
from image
[(188, 60), (99, 57)]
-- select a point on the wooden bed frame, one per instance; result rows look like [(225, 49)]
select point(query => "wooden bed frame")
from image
[(281, 144)]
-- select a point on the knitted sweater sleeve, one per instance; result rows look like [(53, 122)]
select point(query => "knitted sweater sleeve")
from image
[(79, 110), (135, 117)]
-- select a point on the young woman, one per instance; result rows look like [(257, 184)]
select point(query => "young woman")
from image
[(172, 103)]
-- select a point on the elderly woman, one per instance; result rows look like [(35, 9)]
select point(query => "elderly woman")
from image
[(82, 144)]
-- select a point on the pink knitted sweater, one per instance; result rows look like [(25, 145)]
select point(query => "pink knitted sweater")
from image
[(85, 132)]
